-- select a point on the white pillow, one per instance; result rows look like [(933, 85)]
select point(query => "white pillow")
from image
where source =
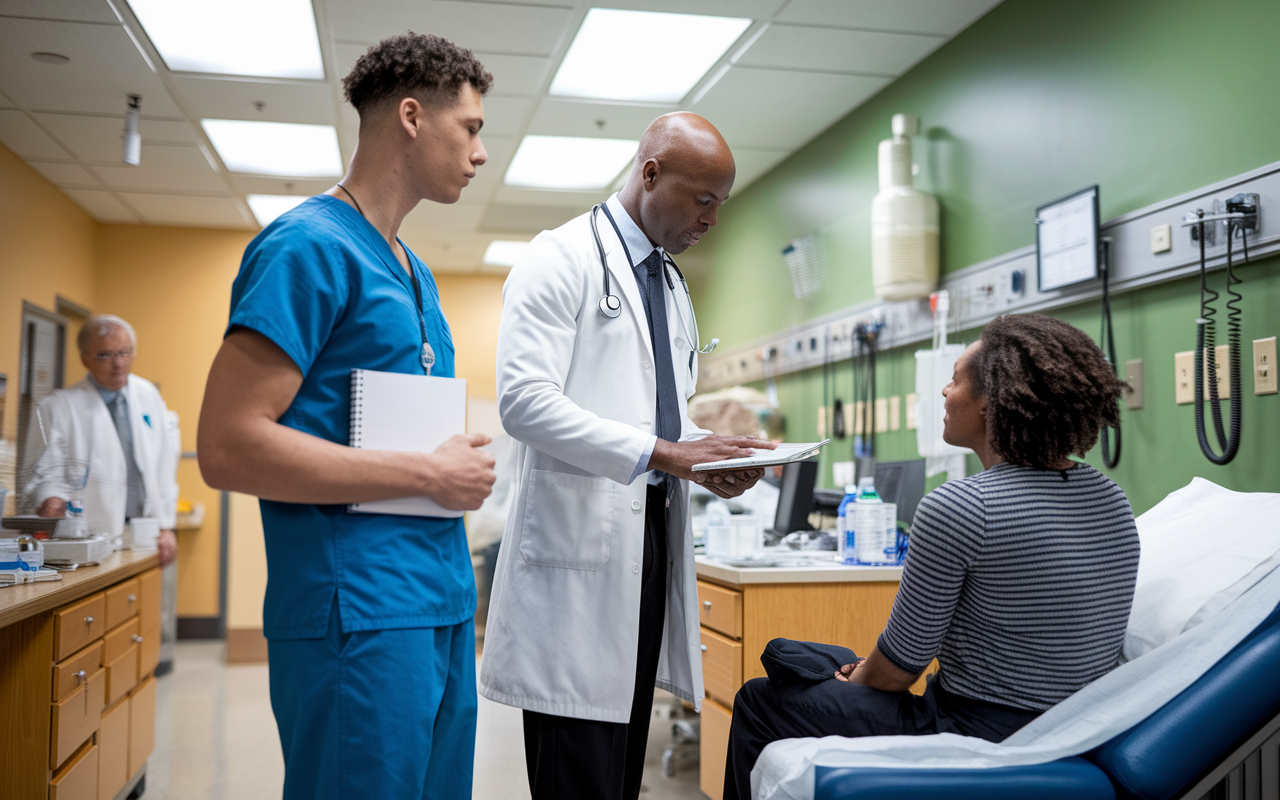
[(1202, 546)]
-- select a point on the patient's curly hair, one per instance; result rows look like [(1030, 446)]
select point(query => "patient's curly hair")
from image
[(1049, 389), (423, 66)]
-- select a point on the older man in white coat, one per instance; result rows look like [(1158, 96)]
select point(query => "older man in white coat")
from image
[(115, 423), (594, 601)]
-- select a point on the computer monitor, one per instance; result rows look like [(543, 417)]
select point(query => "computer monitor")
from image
[(901, 482), (795, 497)]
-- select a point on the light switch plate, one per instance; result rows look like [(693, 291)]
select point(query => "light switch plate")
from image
[(1133, 376), (895, 413), (1184, 366), (1264, 366), (912, 400), (842, 474), (882, 415), (1222, 356), (1161, 238)]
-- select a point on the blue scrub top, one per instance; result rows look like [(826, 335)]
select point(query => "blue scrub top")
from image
[(323, 285)]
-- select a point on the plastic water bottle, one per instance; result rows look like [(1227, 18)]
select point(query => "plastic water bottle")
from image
[(844, 526), (873, 544)]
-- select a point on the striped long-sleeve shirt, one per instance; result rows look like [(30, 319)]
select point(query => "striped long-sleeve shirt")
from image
[(1019, 582)]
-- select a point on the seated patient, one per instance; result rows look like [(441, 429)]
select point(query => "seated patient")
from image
[(1019, 579)]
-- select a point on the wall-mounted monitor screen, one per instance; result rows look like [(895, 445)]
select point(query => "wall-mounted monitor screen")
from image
[(1067, 240)]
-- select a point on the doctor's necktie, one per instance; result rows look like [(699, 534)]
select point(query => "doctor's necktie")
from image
[(650, 278), (135, 498)]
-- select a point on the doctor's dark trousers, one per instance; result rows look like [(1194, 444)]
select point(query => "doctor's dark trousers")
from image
[(571, 758)]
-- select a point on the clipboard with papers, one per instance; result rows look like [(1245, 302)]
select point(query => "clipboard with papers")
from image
[(784, 454)]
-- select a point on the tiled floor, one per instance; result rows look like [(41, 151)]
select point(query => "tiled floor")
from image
[(216, 739)]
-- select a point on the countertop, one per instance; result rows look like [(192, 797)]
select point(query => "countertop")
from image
[(28, 599), (823, 573)]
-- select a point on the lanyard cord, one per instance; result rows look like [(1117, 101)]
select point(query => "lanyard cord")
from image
[(428, 355)]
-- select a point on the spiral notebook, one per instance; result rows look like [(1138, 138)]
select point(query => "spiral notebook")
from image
[(406, 413)]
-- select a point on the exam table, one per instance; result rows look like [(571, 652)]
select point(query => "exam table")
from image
[(1225, 727)]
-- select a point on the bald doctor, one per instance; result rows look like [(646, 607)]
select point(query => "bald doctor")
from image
[(594, 600)]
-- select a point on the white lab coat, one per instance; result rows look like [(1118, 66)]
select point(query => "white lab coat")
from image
[(78, 431), (577, 392)]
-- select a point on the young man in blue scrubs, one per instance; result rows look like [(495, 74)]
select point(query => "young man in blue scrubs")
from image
[(368, 617)]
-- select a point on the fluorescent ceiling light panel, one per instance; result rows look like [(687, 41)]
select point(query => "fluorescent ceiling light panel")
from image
[(643, 55), (266, 207), (276, 148), (262, 38), (569, 162), (503, 254)]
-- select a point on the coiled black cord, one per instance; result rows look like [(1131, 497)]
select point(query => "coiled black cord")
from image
[(1108, 341), (1206, 355)]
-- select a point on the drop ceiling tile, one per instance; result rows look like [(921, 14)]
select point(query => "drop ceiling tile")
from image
[(165, 167), (557, 117), (68, 10), (256, 184), (516, 76), (218, 98), (64, 174), (533, 219), (518, 196), (755, 9), (441, 219), (100, 138), (944, 17), (198, 212), (480, 27), (838, 50), (25, 139), (505, 116), (105, 68), (102, 206), (753, 164), (781, 109)]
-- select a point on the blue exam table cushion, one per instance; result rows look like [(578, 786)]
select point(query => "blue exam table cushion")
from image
[(1066, 779)]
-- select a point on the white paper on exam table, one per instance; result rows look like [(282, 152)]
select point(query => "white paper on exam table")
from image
[(784, 454)]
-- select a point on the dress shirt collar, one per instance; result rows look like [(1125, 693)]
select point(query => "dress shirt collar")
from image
[(638, 245), (108, 396)]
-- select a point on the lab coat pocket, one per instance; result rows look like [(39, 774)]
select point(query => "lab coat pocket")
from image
[(568, 520)]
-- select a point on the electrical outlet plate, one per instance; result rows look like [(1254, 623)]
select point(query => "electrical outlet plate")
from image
[(1264, 366), (842, 474), (1222, 367), (1133, 396), (882, 415), (895, 413), (1184, 369), (912, 400), (822, 422), (1162, 238)]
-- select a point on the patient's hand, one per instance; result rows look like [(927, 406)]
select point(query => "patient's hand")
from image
[(845, 673)]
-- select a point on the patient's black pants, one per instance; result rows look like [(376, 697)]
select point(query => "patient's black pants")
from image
[(766, 710)]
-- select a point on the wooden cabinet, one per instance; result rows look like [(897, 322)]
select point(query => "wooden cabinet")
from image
[(78, 701), (713, 748)]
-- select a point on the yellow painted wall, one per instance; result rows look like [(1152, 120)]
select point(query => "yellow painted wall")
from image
[(246, 564), (48, 249), (174, 286), (473, 306)]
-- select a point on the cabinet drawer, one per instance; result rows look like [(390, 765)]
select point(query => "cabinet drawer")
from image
[(142, 724), (79, 779), (149, 600), (116, 641), (720, 609), (122, 674), (713, 747), (122, 602), (721, 666), (75, 718), (113, 752), (69, 674), (148, 652), (77, 625)]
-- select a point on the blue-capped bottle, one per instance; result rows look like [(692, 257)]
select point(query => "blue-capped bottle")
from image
[(875, 544), (844, 525)]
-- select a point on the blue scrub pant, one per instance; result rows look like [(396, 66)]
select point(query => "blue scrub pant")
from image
[(389, 714)]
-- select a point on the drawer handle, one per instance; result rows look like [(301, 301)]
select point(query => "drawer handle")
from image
[(135, 637), (132, 598), (704, 648), (88, 620), (706, 604), (79, 676)]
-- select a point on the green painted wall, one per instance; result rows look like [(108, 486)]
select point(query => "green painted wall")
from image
[(1035, 100)]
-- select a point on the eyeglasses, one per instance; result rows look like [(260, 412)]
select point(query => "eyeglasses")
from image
[(113, 355)]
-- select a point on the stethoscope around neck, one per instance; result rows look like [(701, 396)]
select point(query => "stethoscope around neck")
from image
[(611, 305)]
